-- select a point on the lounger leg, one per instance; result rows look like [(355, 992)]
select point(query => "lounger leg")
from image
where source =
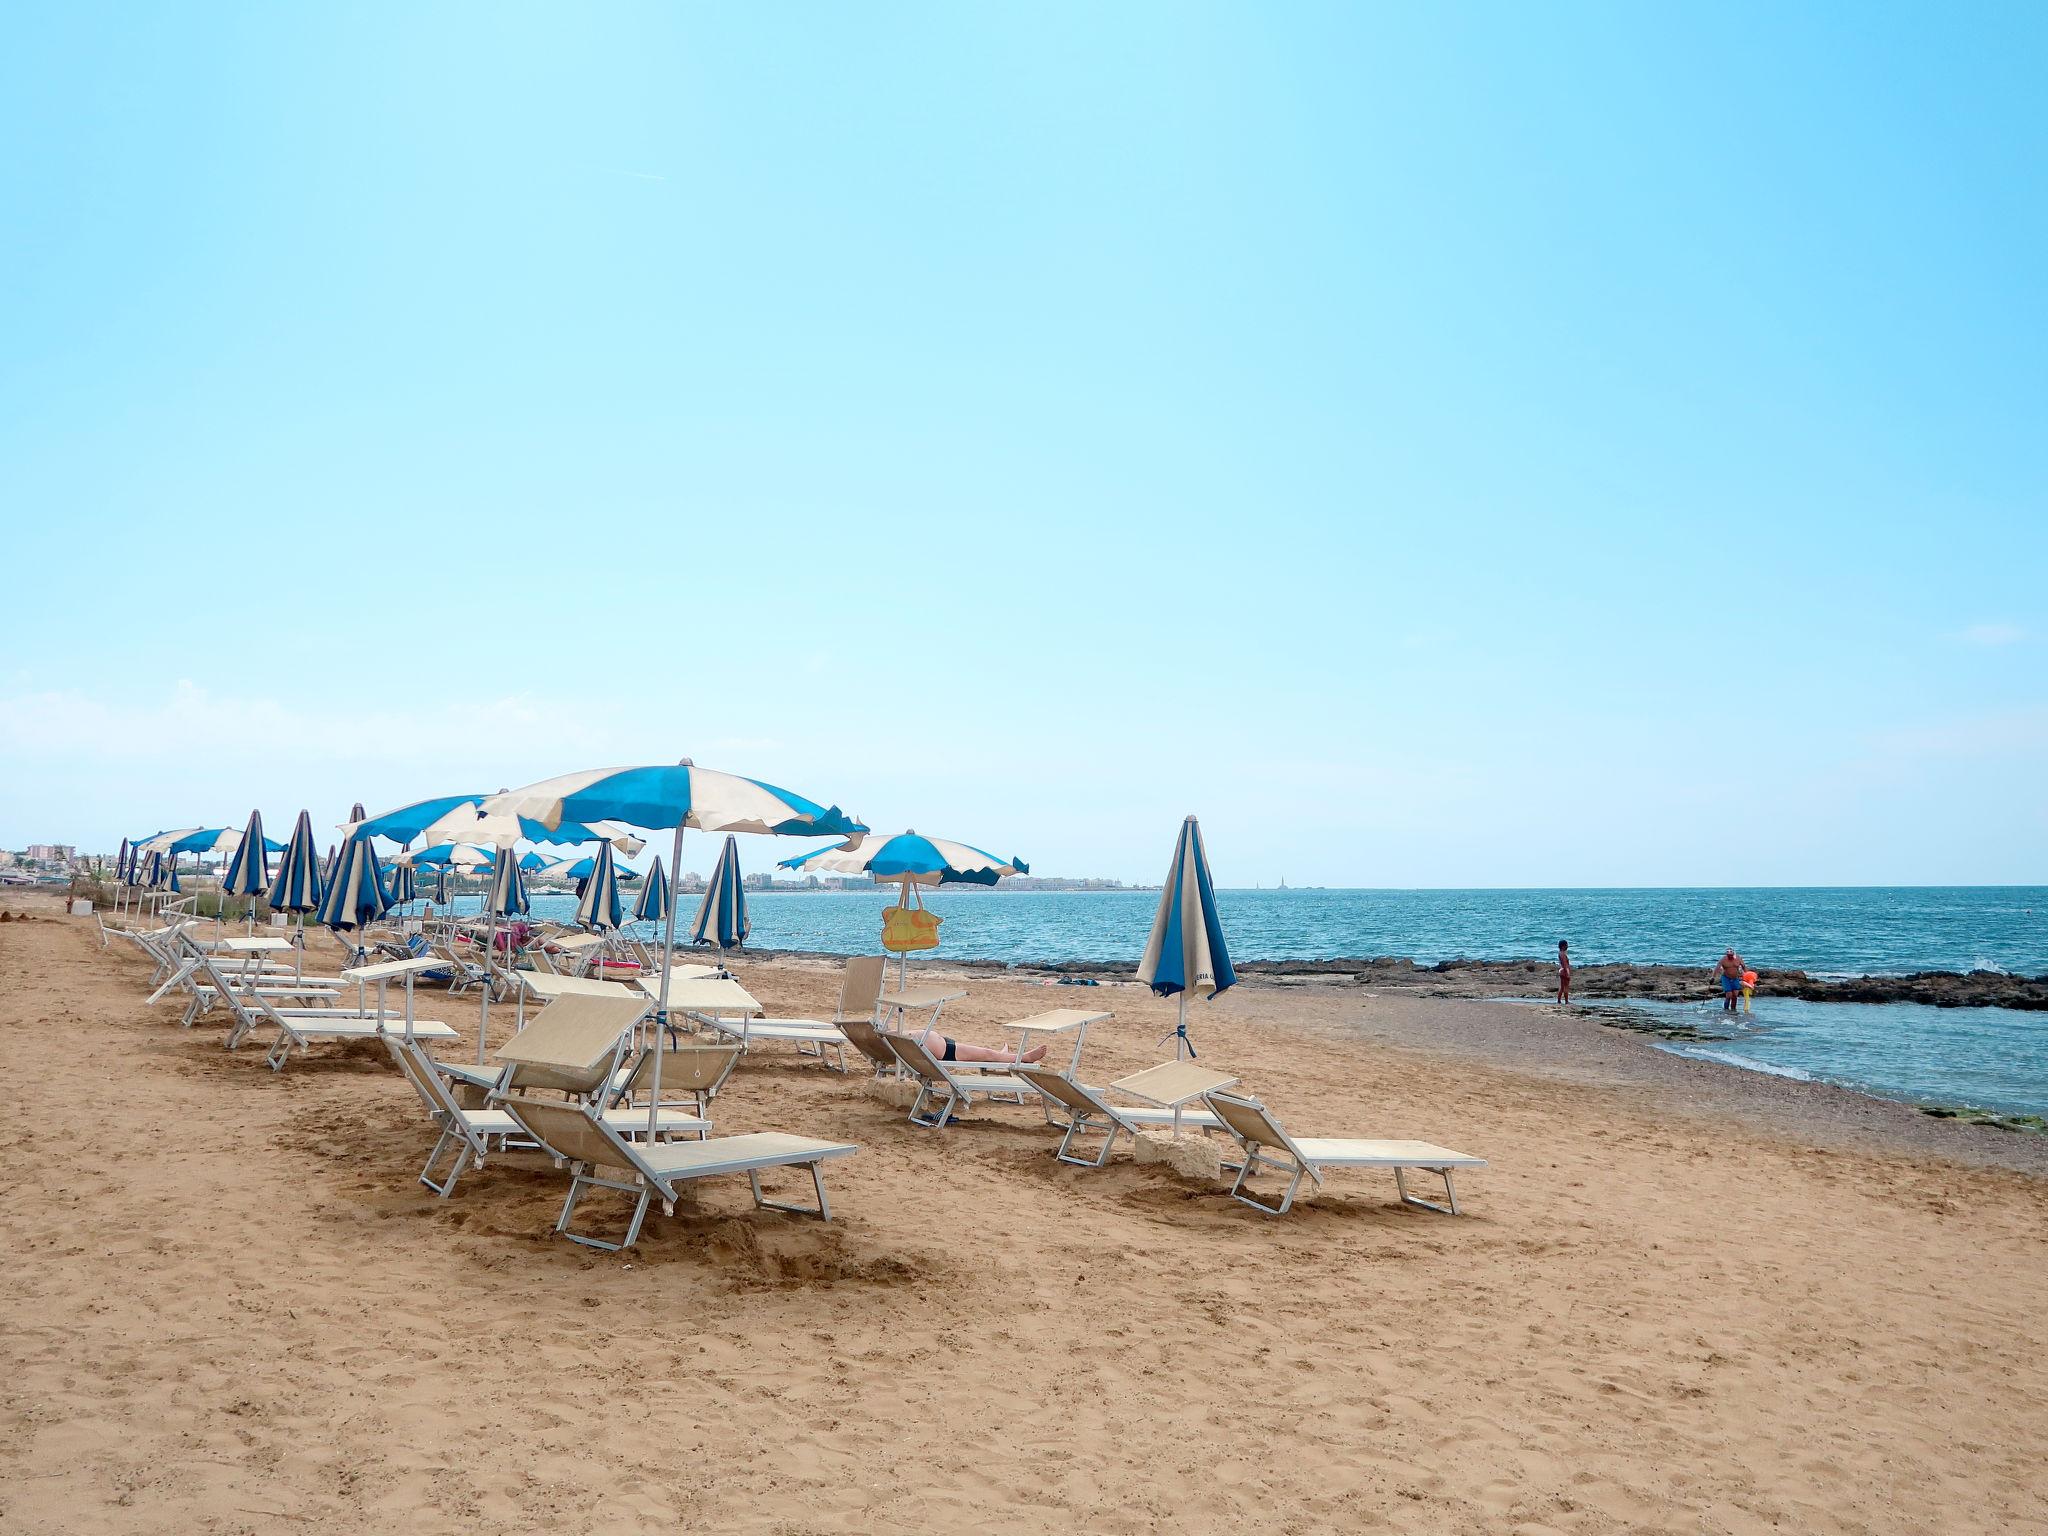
[(578, 1182), (280, 1052), (822, 1210), (1252, 1163), (447, 1186), (1449, 1208), (1077, 1125)]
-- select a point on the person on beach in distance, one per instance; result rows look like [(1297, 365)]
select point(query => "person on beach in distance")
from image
[(1730, 971), (1564, 974)]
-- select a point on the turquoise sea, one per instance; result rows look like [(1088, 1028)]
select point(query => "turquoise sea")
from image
[(1987, 1057)]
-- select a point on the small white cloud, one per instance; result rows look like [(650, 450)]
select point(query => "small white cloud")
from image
[(1993, 634)]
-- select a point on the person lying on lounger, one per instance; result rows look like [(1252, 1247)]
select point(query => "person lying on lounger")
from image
[(946, 1048)]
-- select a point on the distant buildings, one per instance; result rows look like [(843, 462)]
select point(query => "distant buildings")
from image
[(49, 853)]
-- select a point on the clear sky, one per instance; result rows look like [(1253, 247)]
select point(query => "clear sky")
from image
[(1476, 445)]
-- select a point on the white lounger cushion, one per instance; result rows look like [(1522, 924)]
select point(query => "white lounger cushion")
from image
[(1349, 1152), (330, 1027), (628, 1122), (673, 1162)]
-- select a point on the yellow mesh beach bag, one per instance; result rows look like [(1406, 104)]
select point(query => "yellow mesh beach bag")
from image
[(909, 927)]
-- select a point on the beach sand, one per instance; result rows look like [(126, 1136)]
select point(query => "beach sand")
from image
[(1683, 1299)]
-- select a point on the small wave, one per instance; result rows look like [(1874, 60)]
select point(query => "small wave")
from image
[(1747, 1063)]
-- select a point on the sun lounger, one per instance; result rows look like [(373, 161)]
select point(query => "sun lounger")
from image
[(472, 1133), (659, 1170), (859, 987), (951, 1085), (693, 1074), (574, 1046), (1267, 1145), (1088, 1113), (300, 1030)]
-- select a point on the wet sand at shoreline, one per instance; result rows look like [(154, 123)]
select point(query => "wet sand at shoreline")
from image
[(1684, 1298)]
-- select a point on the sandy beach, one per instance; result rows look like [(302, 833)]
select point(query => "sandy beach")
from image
[(1682, 1298)]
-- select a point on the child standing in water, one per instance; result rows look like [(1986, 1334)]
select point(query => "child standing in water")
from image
[(1564, 974)]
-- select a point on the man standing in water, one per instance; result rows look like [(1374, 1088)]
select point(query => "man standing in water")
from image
[(1730, 972)]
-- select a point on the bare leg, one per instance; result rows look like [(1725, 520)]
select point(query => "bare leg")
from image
[(963, 1051)]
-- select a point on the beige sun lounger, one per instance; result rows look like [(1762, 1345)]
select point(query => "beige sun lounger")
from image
[(950, 1085), (298, 1031), (693, 1073), (574, 1045), (1267, 1145), (1087, 1113), (859, 987), (471, 1134), (659, 1170)]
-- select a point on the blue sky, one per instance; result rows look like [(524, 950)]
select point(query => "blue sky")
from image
[(1492, 445)]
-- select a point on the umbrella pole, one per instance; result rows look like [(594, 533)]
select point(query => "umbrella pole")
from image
[(483, 1022), (668, 950), (1181, 1046)]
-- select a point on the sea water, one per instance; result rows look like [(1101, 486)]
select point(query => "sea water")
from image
[(1990, 1058)]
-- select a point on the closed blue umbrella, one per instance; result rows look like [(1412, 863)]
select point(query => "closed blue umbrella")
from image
[(722, 919), (401, 883), (441, 885), (357, 896), (121, 860), (506, 898), (297, 886), (248, 871), (599, 905), (1186, 951), (327, 869), (652, 907)]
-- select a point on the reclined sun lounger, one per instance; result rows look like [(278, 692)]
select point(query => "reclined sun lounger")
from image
[(1267, 1145), (298, 1029), (576, 1046), (690, 1075), (471, 1133), (659, 1170), (859, 988), (1088, 1113), (951, 1085)]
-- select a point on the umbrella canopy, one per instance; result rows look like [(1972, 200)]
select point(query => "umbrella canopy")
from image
[(533, 863), (121, 861), (909, 857), (1186, 952), (682, 795), (157, 874), (356, 896), (297, 886), (355, 812), (722, 919), (507, 896), (466, 857), (652, 907), (402, 884), (440, 886), (599, 905), (248, 872), (462, 819), (167, 842), (328, 868)]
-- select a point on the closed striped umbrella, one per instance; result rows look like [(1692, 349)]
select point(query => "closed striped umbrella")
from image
[(248, 871), (441, 884), (652, 907), (599, 906), (402, 885), (297, 886), (1186, 952), (507, 896), (356, 897), (328, 868), (722, 919)]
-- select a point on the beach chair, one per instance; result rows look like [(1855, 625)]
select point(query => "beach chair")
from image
[(951, 1085), (1267, 1145), (1087, 1113), (472, 1133), (692, 1073), (659, 1170), (299, 1029), (859, 988), (575, 1046)]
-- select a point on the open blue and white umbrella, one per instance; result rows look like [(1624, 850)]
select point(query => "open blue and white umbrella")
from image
[(722, 919), (599, 906), (913, 858), (356, 897), (466, 857), (248, 871), (677, 796), (533, 863), (652, 907), (1186, 952), (463, 819)]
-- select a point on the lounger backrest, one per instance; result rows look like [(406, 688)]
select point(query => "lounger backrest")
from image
[(1253, 1124), (869, 1041), (1065, 1092), (572, 1044), (860, 988), (426, 1082), (566, 1129), (911, 1051), (686, 1069)]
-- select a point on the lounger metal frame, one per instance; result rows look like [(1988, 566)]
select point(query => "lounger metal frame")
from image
[(1256, 1159)]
